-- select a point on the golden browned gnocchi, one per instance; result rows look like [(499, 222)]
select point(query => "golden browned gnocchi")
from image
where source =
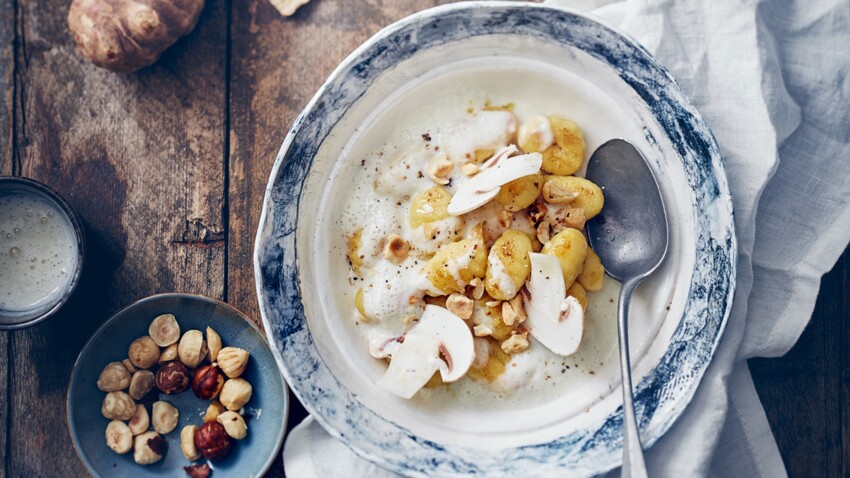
[(567, 154), (429, 205), (520, 193), (453, 266), (441, 249), (354, 251), (570, 247), (592, 275), (588, 195), (508, 266), (577, 291)]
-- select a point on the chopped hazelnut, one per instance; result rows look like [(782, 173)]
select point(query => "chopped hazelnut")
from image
[(482, 330), (517, 307), (396, 249), (440, 168), (543, 232), (509, 315), (477, 286), (469, 169), (505, 218), (460, 305), (515, 344), (554, 193)]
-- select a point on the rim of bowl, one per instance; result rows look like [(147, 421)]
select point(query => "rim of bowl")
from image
[(89, 344), (79, 233), (346, 63)]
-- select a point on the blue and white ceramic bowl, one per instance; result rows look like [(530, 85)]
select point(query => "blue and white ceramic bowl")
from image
[(507, 49), (269, 404)]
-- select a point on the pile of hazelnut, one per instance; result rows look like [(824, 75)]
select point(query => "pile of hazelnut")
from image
[(165, 361)]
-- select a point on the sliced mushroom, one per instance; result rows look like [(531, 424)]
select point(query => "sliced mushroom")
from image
[(554, 319), (495, 173), (439, 341)]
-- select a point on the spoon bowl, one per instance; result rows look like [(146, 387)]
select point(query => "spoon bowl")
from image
[(631, 241), (630, 234)]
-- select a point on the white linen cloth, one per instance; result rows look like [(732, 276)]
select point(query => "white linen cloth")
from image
[(772, 80)]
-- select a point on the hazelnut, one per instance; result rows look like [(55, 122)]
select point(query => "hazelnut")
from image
[(192, 348), (128, 365), (168, 354), (213, 411), (164, 330), (469, 169), (232, 361), (113, 378), (213, 343), (207, 382), (233, 424), (164, 417), (212, 440), (460, 305), (515, 344), (140, 421), (555, 193), (200, 470), (118, 406), (148, 448), (144, 352), (440, 168), (187, 443), (396, 249), (172, 377), (119, 437), (235, 393), (142, 382)]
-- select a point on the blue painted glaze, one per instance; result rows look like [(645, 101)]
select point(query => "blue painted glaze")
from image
[(660, 397)]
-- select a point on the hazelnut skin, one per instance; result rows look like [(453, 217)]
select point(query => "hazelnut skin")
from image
[(172, 377), (207, 382), (212, 441)]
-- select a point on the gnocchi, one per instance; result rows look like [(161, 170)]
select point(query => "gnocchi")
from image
[(508, 266), (577, 291), (429, 205), (588, 195), (453, 266), (520, 193), (592, 276), (426, 276), (566, 155), (570, 247)]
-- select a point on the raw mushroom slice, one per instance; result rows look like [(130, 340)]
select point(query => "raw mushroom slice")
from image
[(553, 320), (439, 341), (495, 173)]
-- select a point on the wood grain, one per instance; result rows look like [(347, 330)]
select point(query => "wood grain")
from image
[(805, 392), (7, 97), (140, 158)]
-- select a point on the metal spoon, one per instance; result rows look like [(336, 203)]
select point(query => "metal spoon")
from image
[(630, 237)]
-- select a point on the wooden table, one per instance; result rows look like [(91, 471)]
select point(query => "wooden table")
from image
[(167, 168)]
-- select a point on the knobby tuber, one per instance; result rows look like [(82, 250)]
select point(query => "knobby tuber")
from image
[(126, 35)]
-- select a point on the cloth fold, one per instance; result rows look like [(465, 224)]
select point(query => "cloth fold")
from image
[(771, 79)]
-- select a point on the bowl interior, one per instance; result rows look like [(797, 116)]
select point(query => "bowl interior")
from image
[(436, 85), (547, 61), (269, 403)]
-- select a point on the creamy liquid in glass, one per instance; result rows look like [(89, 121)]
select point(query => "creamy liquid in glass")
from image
[(38, 253)]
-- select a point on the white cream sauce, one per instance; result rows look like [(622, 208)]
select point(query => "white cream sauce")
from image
[(380, 202)]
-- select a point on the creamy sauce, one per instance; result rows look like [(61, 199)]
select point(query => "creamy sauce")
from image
[(379, 203), (38, 253)]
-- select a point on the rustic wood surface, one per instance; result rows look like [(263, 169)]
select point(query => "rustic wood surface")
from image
[(167, 169)]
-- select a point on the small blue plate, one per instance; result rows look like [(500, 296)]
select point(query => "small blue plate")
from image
[(269, 405)]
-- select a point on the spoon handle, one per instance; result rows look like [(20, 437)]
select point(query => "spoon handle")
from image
[(633, 463)]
